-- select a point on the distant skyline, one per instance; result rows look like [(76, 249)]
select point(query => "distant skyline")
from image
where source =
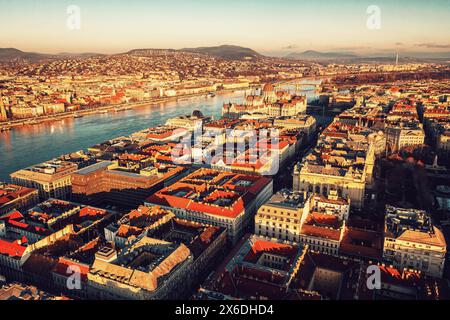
[(271, 27)]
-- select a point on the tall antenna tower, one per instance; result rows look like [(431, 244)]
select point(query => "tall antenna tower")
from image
[(396, 59)]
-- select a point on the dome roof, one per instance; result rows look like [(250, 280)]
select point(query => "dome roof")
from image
[(268, 87)]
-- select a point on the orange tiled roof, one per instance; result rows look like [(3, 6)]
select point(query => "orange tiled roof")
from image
[(11, 249)]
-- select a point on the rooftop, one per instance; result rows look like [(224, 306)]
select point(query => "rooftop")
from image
[(257, 268), (145, 265), (412, 225), (288, 199), (18, 291), (46, 171), (53, 215), (211, 191), (94, 167), (11, 192), (322, 225)]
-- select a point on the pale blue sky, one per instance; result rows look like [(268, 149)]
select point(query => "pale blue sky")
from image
[(276, 26)]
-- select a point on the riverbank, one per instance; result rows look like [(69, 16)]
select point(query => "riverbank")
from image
[(8, 125), (31, 144)]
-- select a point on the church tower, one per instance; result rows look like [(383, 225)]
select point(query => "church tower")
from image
[(3, 114)]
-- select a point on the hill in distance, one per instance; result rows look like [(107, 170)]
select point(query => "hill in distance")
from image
[(82, 54), (150, 52), (228, 52), (382, 57), (8, 54), (231, 52), (316, 55)]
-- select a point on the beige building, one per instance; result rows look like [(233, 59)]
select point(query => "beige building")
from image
[(349, 182), (235, 84), (293, 107), (52, 108), (304, 123), (280, 217), (438, 133), (16, 197), (323, 222), (190, 123), (149, 269), (271, 102), (411, 241), (443, 142), (217, 198), (399, 137), (24, 111), (342, 160), (3, 113), (51, 178)]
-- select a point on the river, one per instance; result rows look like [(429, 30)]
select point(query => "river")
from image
[(27, 145)]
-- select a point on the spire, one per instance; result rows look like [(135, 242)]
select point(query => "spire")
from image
[(435, 162)]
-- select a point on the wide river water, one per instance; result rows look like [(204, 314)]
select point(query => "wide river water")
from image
[(27, 145)]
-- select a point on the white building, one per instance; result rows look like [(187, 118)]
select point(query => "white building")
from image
[(411, 241), (323, 222), (280, 217)]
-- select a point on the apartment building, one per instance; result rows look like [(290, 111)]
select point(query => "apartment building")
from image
[(411, 241), (13, 197), (216, 198), (52, 179), (324, 222), (280, 217)]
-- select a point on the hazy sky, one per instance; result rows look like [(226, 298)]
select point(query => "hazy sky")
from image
[(277, 27)]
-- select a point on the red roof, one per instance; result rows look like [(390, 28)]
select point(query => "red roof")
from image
[(267, 144), (12, 249), (213, 185), (13, 193), (364, 243), (89, 211), (63, 265), (322, 226), (15, 218), (394, 276), (14, 215), (261, 246)]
